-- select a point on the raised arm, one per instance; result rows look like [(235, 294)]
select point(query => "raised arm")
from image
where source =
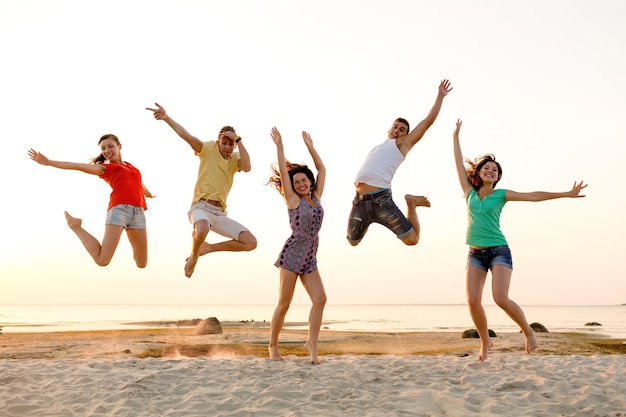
[(94, 169), (160, 114), (545, 195), (244, 158), (407, 142), (319, 166), (291, 197), (458, 159), (244, 163)]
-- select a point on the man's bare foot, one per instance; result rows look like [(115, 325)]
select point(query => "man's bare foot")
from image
[(312, 349), (531, 342), (73, 222), (190, 265), (205, 248), (417, 200), (484, 350), (275, 354)]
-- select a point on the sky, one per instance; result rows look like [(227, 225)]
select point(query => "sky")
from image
[(539, 84)]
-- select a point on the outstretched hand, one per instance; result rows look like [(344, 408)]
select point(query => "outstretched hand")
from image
[(307, 139), (38, 157), (575, 191), (459, 123), (444, 88), (276, 137), (159, 113)]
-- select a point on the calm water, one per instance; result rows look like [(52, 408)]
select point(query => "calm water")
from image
[(386, 318)]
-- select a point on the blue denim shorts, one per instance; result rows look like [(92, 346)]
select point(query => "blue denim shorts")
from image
[(487, 258), (376, 208), (127, 216)]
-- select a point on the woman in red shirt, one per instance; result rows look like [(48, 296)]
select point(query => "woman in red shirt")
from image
[(126, 205)]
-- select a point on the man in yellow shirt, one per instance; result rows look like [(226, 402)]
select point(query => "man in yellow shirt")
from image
[(218, 164)]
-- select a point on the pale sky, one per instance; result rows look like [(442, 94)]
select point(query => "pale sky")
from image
[(539, 84)]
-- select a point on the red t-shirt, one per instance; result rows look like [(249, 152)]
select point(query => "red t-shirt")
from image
[(125, 180)]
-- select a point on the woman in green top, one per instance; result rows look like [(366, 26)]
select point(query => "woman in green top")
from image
[(488, 247)]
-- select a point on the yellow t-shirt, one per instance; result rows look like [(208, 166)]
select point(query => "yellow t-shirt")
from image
[(215, 174)]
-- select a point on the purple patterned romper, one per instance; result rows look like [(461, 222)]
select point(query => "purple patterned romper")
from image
[(300, 250)]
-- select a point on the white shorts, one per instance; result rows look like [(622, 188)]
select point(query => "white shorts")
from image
[(218, 219)]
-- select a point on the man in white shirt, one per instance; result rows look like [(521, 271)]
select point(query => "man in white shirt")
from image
[(373, 202)]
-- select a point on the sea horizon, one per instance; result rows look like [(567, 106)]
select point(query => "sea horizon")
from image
[(403, 317)]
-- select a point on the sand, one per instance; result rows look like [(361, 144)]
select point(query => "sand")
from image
[(171, 372)]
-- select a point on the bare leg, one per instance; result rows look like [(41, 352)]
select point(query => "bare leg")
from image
[(138, 239), (501, 283), (413, 201), (199, 234), (285, 295), (315, 288), (476, 278), (246, 242), (101, 254)]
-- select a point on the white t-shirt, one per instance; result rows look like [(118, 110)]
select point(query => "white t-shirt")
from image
[(380, 165)]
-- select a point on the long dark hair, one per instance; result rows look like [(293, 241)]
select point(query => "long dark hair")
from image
[(292, 169), (474, 167), (100, 158)]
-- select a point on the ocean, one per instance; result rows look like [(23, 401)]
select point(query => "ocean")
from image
[(355, 317)]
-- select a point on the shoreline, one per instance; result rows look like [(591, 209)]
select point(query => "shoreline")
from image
[(240, 339)]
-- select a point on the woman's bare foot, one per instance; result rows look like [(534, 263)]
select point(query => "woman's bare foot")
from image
[(275, 353), (484, 350), (417, 200), (73, 222), (312, 349), (190, 265), (531, 342)]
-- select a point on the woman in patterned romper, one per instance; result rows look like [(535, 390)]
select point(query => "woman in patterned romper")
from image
[(302, 193)]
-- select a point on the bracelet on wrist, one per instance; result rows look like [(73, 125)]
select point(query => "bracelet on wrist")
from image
[(237, 139)]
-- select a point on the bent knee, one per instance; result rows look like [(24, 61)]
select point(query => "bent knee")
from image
[(474, 301), (321, 300), (201, 228), (248, 240), (354, 242), (501, 301), (283, 306)]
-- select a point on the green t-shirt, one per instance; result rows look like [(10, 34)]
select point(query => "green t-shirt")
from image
[(483, 219)]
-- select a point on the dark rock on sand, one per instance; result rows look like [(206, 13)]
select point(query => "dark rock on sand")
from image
[(209, 326), (473, 334), (538, 328), (593, 323)]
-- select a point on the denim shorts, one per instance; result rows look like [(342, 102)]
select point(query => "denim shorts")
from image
[(127, 216), (376, 208), (487, 258)]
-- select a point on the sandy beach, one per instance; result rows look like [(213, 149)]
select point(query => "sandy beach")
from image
[(168, 371)]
